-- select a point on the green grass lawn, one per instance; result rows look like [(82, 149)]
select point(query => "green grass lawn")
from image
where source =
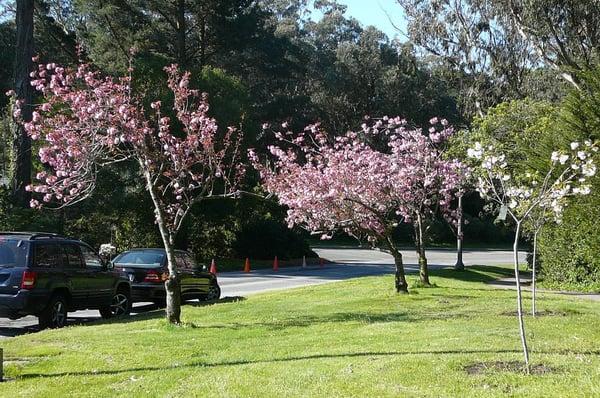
[(354, 338)]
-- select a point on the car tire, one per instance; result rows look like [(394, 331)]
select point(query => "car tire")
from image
[(55, 314), (214, 292), (120, 305)]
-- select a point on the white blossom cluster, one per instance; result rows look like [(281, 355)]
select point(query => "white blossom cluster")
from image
[(566, 176)]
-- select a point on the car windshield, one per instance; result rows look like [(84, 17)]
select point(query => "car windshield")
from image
[(13, 253), (140, 259)]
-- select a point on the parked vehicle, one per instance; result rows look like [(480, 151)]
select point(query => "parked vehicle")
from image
[(48, 275), (147, 270)]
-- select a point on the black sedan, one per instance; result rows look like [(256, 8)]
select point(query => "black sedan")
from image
[(147, 271)]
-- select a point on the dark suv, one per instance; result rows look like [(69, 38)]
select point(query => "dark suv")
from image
[(47, 275)]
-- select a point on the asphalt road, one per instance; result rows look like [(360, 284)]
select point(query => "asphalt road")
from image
[(348, 263)]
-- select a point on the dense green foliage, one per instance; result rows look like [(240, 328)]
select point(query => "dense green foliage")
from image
[(273, 61), (259, 62), (569, 251), (528, 131)]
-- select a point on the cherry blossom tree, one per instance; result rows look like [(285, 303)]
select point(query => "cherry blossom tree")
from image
[(88, 122), (525, 196), (432, 183), (364, 183)]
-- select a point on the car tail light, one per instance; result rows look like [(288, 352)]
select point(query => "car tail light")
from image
[(152, 276), (28, 281)]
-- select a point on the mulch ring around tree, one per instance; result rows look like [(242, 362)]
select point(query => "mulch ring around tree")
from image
[(478, 368)]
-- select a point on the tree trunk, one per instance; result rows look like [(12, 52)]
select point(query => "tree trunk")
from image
[(519, 297), (400, 277), (181, 38), (423, 270), (21, 176), (533, 273), (459, 266), (172, 285), (203, 43)]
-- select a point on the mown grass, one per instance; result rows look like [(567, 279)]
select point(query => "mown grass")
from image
[(353, 338)]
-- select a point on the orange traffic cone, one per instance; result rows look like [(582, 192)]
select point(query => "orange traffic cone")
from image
[(213, 267), (276, 264), (247, 265), (321, 262)]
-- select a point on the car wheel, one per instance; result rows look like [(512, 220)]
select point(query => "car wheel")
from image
[(55, 314), (214, 292), (119, 306)]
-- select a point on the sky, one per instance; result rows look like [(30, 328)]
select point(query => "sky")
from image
[(373, 12)]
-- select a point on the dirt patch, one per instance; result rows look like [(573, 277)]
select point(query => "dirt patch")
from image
[(541, 313), (505, 366)]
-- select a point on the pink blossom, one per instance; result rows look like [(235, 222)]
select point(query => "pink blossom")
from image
[(345, 184), (92, 121)]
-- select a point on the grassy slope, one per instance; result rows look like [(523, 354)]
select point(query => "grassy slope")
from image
[(354, 338)]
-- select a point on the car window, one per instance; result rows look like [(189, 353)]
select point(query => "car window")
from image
[(47, 255), (140, 259), (179, 260), (72, 255), (190, 261), (13, 253), (90, 258)]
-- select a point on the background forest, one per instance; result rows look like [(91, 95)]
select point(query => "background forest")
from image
[(508, 72)]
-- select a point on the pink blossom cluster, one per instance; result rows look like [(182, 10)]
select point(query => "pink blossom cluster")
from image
[(88, 121), (364, 182)]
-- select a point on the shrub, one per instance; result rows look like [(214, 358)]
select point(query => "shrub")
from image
[(570, 251)]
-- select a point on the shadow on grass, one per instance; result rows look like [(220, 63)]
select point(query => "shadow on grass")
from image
[(342, 317), (474, 273), (147, 312), (224, 300), (241, 362)]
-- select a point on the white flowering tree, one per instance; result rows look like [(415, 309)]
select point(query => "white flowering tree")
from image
[(535, 195)]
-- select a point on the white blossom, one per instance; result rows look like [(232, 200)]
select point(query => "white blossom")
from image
[(588, 169), (563, 159)]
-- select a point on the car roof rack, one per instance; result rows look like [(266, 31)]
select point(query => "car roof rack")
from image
[(38, 235), (35, 235)]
